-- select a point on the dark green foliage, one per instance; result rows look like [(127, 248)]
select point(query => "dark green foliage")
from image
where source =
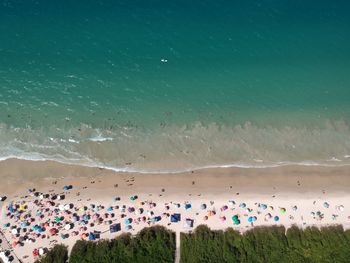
[(267, 244), (58, 254), (155, 244), (261, 244)]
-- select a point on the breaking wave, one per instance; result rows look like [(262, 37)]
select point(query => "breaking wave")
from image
[(180, 148)]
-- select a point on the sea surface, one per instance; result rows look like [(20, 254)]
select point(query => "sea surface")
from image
[(167, 86)]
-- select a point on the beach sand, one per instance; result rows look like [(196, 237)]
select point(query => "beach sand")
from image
[(301, 190)]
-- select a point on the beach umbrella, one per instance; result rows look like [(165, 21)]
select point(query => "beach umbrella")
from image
[(41, 251), (53, 231), (341, 208), (236, 220), (92, 236), (25, 224), (242, 205), (131, 209), (232, 203), (211, 213), (35, 253), (276, 218), (254, 218), (67, 226), (223, 208), (203, 206), (177, 205), (223, 218), (67, 187), (295, 208), (268, 216), (132, 198), (14, 231), (127, 221), (250, 219), (282, 210), (187, 206), (150, 213), (263, 206), (325, 204), (205, 218), (22, 208), (139, 211), (110, 209), (128, 228)]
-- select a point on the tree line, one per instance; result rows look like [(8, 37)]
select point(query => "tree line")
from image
[(267, 244), (153, 244), (260, 244)]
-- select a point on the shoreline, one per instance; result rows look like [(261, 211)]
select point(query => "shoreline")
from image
[(302, 191), (16, 173)]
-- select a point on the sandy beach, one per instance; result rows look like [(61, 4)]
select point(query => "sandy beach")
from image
[(287, 195)]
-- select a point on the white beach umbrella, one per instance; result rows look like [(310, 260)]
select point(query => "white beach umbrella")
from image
[(14, 231), (268, 216), (231, 203), (68, 226), (61, 207)]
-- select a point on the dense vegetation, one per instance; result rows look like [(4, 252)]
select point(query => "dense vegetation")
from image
[(266, 244), (58, 254), (261, 244), (154, 244)]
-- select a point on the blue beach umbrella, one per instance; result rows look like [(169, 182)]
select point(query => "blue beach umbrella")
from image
[(276, 218), (242, 205), (263, 206)]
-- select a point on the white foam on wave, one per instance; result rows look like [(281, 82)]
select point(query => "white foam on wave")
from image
[(174, 149), (151, 171), (100, 139)]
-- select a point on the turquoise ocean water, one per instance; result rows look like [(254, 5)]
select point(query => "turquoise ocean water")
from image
[(175, 85)]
